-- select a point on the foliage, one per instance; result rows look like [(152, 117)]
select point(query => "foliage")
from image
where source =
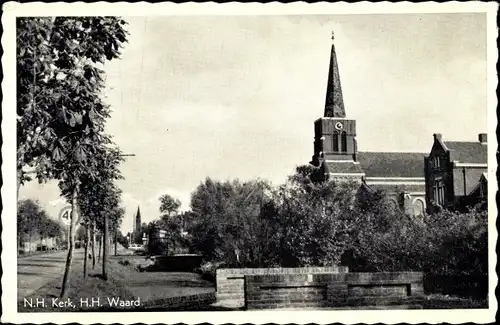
[(121, 239), (305, 222), (60, 111), (156, 246), (313, 221), (227, 223), (169, 206), (308, 175), (61, 116), (33, 220), (449, 247)]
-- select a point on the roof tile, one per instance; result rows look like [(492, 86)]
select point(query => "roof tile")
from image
[(467, 152), (343, 167), (392, 164)]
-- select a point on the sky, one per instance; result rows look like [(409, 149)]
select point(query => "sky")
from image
[(236, 96)]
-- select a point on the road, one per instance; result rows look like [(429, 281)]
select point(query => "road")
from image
[(36, 271)]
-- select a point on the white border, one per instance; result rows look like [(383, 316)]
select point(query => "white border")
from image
[(9, 279)]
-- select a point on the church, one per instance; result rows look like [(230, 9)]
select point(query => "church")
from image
[(400, 174)]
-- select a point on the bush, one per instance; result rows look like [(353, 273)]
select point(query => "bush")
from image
[(450, 248), (124, 262), (310, 222), (208, 270)]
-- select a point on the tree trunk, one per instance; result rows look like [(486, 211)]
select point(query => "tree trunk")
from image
[(19, 177), (86, 252), (93, 245), (18, 242), (105, 249), (100, 248), (71, 241), (30, 243), (116, 242)]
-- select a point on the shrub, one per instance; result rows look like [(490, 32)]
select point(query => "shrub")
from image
[(450, 247), (124, 262)]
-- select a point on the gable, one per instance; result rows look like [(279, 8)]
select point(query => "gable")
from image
[(392, 164), (437, 149)]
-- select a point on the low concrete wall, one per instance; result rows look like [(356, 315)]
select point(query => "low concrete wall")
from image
[(231, 282), (403, 289)]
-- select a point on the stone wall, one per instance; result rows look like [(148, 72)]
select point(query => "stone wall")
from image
[(366, 290), (231, 282)]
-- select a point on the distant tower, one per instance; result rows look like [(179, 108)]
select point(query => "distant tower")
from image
[(137, 222)]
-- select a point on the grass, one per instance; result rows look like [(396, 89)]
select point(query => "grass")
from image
[(438, 301), (124, 282), (92, 287), (37, 253)]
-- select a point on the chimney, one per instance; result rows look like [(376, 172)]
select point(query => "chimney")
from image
[(437, 136), (483, 138)]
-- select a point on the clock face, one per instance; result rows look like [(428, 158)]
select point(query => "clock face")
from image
[(339, 126)]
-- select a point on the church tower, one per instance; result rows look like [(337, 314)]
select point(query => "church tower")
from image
[(335, 135), (137, 221)]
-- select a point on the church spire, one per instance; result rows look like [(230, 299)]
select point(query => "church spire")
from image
[(137, 222), (334, 106)]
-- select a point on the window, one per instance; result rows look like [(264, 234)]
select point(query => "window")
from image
[(419, 207), (344, 141), (436, 162), (439, 192), (335, 141)]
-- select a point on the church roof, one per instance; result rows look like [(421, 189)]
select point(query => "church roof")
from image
[(467, 152), (398, 188), (343, 167), (392, 164)]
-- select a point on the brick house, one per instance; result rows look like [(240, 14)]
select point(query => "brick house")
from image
[(400, 174), (456, 173)]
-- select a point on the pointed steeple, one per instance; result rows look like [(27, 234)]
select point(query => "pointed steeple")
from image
[(138, 219), (334, 106)]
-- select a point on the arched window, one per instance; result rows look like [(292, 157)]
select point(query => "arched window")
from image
[(344, 141), (419, 207), (335, 141)]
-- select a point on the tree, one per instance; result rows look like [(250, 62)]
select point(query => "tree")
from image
[(122, 240), (60, 112), (226, 216), (171, 221), (59, 85), (314, 220), (32, 219), (116, 217), (169, 206), (100, 198), (27, 212)]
